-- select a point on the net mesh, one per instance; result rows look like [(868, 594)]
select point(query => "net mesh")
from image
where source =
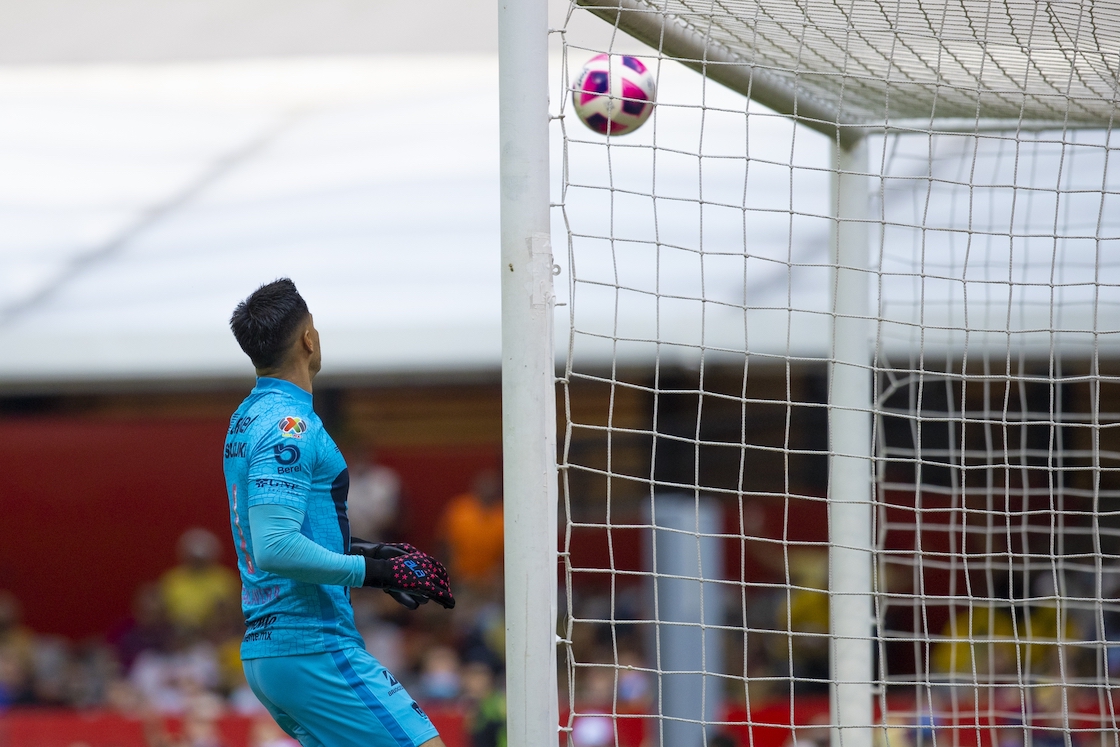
[(695, 394), (918, 59)]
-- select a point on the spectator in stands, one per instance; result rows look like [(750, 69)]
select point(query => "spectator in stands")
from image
[(635, 691), (267, 733), (594, 726), (123, 698), (380, 624), (473, 530), (980, 641), (816, 734), (807, 612), (12, 679), (51, 677), (373, 501), (485, 706), (195, 588), (224, 633), (481, 632), (17, 653), (200, 724), (146, 629), (1044, 625), (168, 680), (90, 672), (439, 674)]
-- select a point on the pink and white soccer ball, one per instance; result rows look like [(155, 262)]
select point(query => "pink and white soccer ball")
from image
[(614, 94)]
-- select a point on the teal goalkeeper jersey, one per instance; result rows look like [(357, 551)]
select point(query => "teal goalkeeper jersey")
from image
[(277, 452)]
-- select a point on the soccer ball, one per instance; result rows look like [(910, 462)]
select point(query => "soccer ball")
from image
[(614, 94)]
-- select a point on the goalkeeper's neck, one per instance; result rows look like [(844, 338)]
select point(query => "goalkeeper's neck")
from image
[(302, 361)]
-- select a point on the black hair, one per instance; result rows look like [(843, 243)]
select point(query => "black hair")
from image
[(265, 323)]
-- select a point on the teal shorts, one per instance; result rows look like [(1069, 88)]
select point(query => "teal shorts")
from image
[(338, 699)]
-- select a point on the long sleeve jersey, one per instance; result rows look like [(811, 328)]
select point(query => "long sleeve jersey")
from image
[(281, 467)]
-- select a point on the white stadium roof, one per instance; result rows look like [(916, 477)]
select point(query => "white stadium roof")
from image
[(138, 204), (144, 31), (141, 198)]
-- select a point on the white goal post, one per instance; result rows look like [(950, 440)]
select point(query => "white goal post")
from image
[(528, 375), (903, 220)]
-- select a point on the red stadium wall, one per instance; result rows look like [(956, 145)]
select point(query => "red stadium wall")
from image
[(91, 508)]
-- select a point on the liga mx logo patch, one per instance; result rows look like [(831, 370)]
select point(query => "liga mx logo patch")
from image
[(292, 427)]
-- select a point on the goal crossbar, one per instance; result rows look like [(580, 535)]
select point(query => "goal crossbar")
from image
[(936, 100), (690, 47)]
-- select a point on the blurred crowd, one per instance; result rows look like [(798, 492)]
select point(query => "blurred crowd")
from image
[(1028, 662), (177, 653)]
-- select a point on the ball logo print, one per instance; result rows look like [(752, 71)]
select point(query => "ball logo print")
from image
[(614, 94), (292, 427)]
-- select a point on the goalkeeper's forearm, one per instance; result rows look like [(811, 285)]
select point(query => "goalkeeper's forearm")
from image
[(280, 548)]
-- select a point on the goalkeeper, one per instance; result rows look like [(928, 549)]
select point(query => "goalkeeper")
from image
[(287, 485)]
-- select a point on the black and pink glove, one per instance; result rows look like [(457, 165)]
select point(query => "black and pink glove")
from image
[(380, 550), (409, 576), (386, 551)]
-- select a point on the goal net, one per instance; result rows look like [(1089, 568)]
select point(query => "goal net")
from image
[(840, 411)]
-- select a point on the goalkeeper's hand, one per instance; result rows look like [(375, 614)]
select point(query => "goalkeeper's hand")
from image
[(409, 576), (380, 550), (386, 551)]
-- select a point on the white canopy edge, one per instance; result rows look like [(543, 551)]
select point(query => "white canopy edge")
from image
[(140, 203)]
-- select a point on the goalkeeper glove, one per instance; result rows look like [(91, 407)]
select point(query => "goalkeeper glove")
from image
[(380, 550), (385, 551), (409, 576)]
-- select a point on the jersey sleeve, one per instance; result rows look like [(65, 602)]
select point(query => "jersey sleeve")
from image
[(280, 548), (280, 464)]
